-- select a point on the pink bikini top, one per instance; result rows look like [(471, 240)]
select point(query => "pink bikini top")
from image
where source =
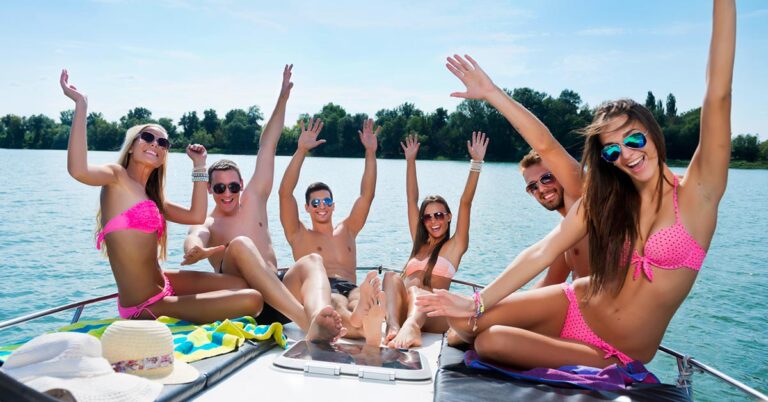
[(670, 248), (144, 216), (443, 267)]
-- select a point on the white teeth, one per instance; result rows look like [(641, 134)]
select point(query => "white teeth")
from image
[(635, 163)]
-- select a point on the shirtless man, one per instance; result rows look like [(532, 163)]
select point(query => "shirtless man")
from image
[(556, 189), (362, 309), (555, 195), (235, 240)]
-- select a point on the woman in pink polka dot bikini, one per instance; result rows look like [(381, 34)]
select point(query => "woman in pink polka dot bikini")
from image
[(648, 235)]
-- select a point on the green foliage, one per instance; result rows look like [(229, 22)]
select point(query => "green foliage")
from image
[(443, 134), (745, 147)]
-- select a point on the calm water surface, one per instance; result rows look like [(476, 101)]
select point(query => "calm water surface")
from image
[(48, 255)]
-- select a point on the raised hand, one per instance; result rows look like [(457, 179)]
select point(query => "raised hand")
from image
[(285, 89), (478, 84), (411, 147), (197, 153), (369, 135), (442, 303), (308, 137), (478, 146), (197, 253), (70, 90)]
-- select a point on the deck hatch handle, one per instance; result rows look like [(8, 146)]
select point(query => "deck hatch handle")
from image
[(324, 369), (376, 375)]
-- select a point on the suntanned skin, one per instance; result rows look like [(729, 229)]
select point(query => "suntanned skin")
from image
[(522, 328), (335, 243), (560, 195), (235, 239), (133, 255)]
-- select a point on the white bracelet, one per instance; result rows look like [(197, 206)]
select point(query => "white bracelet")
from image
[(475, 166), (199, 176)]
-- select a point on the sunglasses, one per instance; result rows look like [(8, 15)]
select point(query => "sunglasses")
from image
[(546, 178), (438, 216), (315, 202), (611, 152), (220, 188), (149, 138)]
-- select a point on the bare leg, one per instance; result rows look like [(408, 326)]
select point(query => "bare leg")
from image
[(410, 333), (396, 306), (308, 282), (372, 321), (243, 259), (369, 288), (341, 305), (208, 307)]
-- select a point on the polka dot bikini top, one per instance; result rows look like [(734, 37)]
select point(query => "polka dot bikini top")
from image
[(670, 248)]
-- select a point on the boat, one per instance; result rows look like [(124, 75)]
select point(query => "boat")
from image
[(251, 371)]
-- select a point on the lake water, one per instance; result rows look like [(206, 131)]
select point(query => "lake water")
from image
[(47, 222)]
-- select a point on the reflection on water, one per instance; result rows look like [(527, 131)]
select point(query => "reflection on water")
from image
[(47, 222)]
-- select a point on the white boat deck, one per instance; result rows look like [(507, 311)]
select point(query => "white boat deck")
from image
[(260, 379)]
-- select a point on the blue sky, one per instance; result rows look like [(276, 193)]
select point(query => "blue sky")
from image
[(174, 56)]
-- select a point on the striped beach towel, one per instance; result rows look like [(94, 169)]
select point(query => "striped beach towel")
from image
[(191, 342)]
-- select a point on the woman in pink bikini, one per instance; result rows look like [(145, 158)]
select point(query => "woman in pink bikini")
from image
[(435, 254), (132, 230), (648, 235)]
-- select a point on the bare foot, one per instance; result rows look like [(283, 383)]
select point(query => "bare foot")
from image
[(392, 330), (459, 333), (370, 286), (326, 326), (372, 321), (408, 336), (454, 339)]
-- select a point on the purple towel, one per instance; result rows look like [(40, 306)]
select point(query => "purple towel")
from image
[(611, 378)]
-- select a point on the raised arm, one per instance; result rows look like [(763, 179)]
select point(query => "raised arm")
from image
[(535, 133), (77, 150), (476, 148), (523, 268), (260, 185), (195, 214), (709, 164), (359, 213), (289, 209), (411, 148)]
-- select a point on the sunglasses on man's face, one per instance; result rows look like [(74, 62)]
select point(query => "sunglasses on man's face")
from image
[(315, 202), (612, 152), (220, 188), (149, 138), (546, 178), (438, 216)]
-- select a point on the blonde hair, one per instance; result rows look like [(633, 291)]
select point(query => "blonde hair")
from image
[(155, 186)]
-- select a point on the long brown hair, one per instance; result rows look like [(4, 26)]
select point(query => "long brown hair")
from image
[(155, 186), (611, 202), (422, 237)]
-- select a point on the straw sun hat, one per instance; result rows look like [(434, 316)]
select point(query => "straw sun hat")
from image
[(68, 363), (145, 348)]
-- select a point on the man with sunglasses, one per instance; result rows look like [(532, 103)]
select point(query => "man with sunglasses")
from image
[(235, 239), (359, 307)]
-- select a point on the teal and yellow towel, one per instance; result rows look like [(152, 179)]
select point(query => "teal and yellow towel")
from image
[(191, 342)]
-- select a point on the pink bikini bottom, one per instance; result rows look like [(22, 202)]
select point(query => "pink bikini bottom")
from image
[(577, 329), (135, 311)]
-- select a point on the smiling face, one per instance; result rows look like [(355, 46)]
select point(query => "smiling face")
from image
[(146, 152), (321, 213), (640, 164), (227, 201), (436, 220), (549, 194)]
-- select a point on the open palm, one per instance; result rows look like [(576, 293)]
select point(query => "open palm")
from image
[(478, 84), (477, 146), (308, 137)]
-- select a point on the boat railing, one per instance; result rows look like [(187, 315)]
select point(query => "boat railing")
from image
[(686, 364)]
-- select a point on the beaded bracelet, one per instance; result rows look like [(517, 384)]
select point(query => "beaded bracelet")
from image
[(475, 166), (199, 176), (479, 310)]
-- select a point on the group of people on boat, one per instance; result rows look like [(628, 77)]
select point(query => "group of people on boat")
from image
[(633, 234)]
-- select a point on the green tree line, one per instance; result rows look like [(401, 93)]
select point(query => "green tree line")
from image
[(442, 133)]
